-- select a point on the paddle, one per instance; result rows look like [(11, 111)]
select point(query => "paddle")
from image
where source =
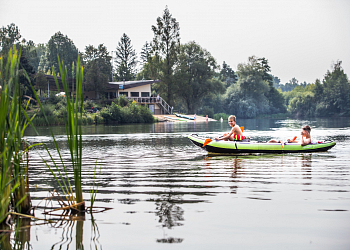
[(208, 140)]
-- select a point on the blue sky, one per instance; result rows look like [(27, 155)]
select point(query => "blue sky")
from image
[(300, 38)]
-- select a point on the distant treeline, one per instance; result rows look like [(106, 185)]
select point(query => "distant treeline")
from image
[(190, 78)]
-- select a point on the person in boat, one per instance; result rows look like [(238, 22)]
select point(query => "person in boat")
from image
[(305, 137), (235, 134)]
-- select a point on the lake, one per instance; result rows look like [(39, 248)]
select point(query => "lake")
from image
[(166, 193)]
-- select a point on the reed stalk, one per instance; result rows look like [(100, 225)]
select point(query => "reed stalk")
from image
[(13, 122), (74, 137), (73, 125)]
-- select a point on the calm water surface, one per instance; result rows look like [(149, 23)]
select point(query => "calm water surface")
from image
[(166, 193)]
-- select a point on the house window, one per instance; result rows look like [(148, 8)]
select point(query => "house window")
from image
[(134, 94), (144, 94), (123, 93)]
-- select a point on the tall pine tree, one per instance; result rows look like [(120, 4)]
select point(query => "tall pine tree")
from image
[(125, 59), (165, 45)]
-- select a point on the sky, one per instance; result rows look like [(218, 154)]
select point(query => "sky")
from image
[(299, 38)]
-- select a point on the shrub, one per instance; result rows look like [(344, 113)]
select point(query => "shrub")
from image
[(219, 115), (53, 99)]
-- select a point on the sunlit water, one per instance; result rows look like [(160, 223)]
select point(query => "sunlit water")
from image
[(166, 193)]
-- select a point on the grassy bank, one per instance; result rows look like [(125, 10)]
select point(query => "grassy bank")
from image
[(120, 111)]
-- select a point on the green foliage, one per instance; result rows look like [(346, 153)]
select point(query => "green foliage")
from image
[(122, 101), (40, 81), (336, 91), (26, 75), (289, 86), (207, 111), (195, 76), (165, 47), (302, 105), (9, 36), (61, 108), (73, 120), (13, 122), (227, 75), (248, 98), (98, 69), (131, 113), (219, 115), (321, 100), (125, 59), (254, 93), (53, 99), (34, 53), (145, 52), (44, 64), (62, 46)]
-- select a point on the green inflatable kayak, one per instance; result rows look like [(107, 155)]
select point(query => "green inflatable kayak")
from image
[(234, 147)]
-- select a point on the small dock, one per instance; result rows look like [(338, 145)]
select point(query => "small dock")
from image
[(173, 118)]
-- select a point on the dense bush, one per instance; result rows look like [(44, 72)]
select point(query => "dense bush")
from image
[(219, 115), (53, 99), (131, 113), (207, 111)]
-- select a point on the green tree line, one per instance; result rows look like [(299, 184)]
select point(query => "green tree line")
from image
[(191, 80)]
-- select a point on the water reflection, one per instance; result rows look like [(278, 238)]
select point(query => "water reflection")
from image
[(306, 169), (22, 234), (21, 239), (237, 165), (160, 183), (170, 214), (67, 237)]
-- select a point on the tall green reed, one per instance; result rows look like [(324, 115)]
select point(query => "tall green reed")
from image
[(74, 137), (73, 124), (13, 122)]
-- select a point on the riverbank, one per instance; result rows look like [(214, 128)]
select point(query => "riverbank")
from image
[(174, 118)]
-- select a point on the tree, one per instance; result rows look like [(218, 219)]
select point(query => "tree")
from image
[(318, 90), (165, 45), (40, 81), (266, 69), (97, 68), (145, 53), (151, 70), (227, 75), (194, 74), (63, 47), (26, 69), (302, 105), (34, 53), (336, 90), (101, 55), (8, 37), (125, 59), (276, 99), (276, 82), (44, 64), (253, 94), (251, 78), (95, 80)]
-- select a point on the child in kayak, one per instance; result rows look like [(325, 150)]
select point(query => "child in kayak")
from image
[(305, 137), (235, 134)]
